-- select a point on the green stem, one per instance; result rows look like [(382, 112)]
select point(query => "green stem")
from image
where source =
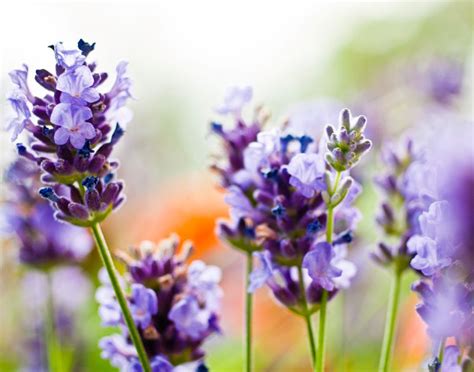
[(52, 342), (248, 314), (307, 316), (324, 297), (390, 322), (109, 265), (322, 332)]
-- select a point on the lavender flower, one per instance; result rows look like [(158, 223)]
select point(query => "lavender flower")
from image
[(276, 189), (43, 241), (402, 204), (441, 247), (348, 144), (175, 307), (71, 136)]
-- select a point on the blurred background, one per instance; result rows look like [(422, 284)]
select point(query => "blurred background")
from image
[(384, 59)]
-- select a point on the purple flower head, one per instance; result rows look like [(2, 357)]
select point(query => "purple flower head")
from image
[(262, 273), (403, 202), (320, 268), (175, 305), (144, 305), (41, 238), (234, 101), (76, 86), (277, 188), (22, 114), (307, 173), (70, 136), (20, 79), (68, 58), (73, 125), (348, 144)]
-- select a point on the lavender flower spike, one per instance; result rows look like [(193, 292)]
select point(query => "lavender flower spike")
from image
[(70, 135), (175, 306), (281, 197)]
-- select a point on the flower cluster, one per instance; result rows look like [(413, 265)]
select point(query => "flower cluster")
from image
[(72, 131), (174, 305), (443, 250), (402, 204), (43, 241), (280, 187)]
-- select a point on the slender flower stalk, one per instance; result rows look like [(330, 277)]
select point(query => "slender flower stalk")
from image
[(307, 317), (107, 260), (391, 321), (323, 309)]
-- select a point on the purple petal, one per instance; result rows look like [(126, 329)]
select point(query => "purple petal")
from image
[(77, 140), (87, 130), (61, 136)]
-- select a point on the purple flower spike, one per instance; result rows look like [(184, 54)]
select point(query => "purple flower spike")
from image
[(261, 274), (319, 266), (68, 58), (144, 305), (307, 173), (72, 120), (276, 184), (188, 301), (76, 86), (234, 101)]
